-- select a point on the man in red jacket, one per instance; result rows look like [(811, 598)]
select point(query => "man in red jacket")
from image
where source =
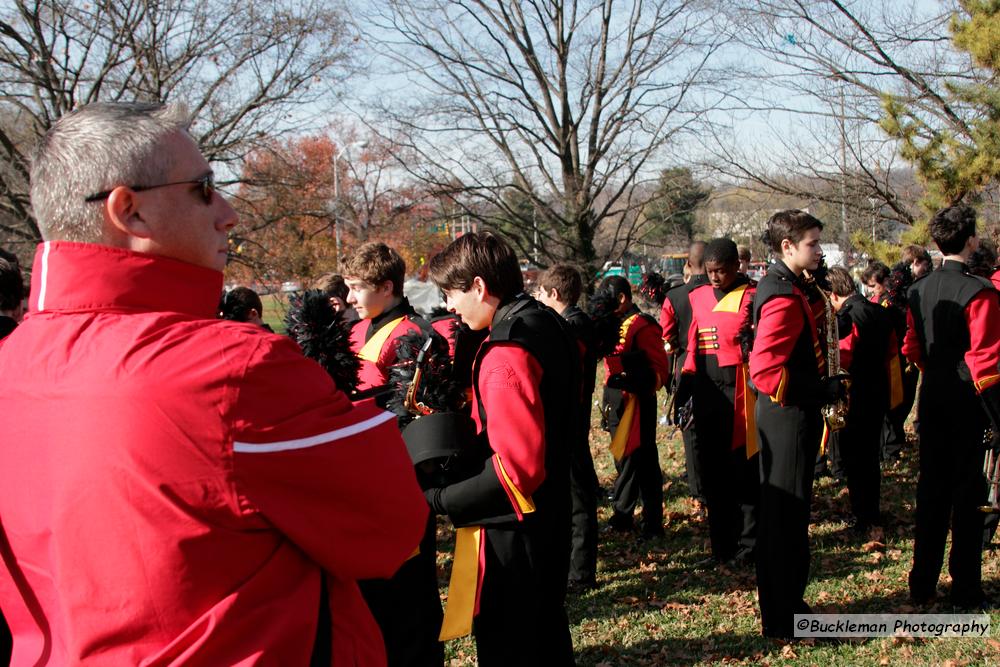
[(177, 488)]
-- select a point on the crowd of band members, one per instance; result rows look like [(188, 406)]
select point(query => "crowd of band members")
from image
[(746, 363), (747, 366)]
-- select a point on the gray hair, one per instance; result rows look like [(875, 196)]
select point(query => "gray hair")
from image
[(95, 148)]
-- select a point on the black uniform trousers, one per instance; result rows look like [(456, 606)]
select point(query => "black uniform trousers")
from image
[(950, 488), (789, 441), (692, 461), (584, 488), (639, 474), (407, 607), (893, 434), (522, 618), (859, 448), (721, 467)]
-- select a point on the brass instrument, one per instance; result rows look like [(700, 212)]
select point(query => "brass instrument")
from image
[(835, 414), (991, 470)]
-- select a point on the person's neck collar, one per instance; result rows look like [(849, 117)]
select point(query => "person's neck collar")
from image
[(962, 257), (796, 273), (91, 276)]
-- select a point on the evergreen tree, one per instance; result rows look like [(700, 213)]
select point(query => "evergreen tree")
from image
[(959, 155)]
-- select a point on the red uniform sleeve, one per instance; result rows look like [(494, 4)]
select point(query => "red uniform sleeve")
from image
[(691, 358), (335, 479), (983, 358), (509, 386), (648, 340), (847, 344), (780, 324), (668, 323), (911, 343)]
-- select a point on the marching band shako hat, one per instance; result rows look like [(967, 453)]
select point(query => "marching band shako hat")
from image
[(438, 435)]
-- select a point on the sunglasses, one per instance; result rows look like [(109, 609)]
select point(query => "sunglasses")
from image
[(207, 183)]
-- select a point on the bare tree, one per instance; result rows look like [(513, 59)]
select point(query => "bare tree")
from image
[(248, 73), (567, 104), (820, 74)]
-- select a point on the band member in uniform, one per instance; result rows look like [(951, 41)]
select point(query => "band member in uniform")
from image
[(874, 278), (868, 352), (954, 336), (787, 366), (675, 320), (715, 362), (407, 606), (559, 288), (513, 513), (636, 369)]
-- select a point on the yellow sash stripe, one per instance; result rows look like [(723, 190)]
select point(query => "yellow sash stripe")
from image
[(620, 440), (373, 348), (825, 437), (463, 584), (779, 395), (731, 302), (895, 383), (525, 504)]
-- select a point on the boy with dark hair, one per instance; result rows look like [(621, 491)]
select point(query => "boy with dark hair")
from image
[(559, 289), (407, 606), (715, 365), (874, 277), (11, 297), (675, 320), (513, 515), (242, 304), (918, 259), (788, 368), (868, 352), (635, 370), (374, 276), (954, 337)]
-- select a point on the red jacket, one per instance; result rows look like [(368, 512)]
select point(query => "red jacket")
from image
[(374, 371), (715, 325), (175, 486)]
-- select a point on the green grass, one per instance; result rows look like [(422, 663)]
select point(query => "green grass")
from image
[(275, 306), (652, 608)]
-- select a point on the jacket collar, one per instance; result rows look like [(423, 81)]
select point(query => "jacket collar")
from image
[(88, 276), (952, 265)]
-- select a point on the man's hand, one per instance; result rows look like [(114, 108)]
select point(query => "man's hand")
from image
[(435, 500)]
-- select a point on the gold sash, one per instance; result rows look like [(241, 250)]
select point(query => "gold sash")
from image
[(373, 348)]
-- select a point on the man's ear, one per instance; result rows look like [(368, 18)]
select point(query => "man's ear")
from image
[(480, 288), (121, 211)]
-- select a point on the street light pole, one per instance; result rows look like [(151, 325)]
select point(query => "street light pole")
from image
[(336, 192)]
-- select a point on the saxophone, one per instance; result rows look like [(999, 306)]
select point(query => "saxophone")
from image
[(835, 414)]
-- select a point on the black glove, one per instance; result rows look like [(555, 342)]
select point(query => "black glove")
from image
[(832, 389), (639, 375), (433, 496), (991, 404), (622, 381)]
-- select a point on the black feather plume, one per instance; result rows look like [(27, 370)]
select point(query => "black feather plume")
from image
[(324, 336), (438, 391), (654, 288), (601, 308)]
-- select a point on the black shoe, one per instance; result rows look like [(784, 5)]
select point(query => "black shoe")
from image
[(745, 557), (621, 523)]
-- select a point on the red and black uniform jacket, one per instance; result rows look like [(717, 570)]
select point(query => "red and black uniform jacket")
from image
[(675, 318), (953, 332), (175, 486), (869, 353), (526, 386), (787, 361), (714, 344), (377, 358), (639, 342)]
